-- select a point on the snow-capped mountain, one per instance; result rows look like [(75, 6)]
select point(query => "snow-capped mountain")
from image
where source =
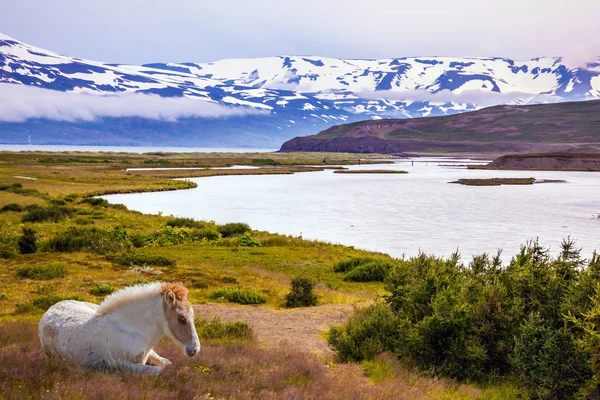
[(291, 95)]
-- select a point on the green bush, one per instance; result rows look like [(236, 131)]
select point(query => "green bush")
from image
[(51, 213), (246, 240), (96, 202), (199, 284), (301, 294), (90, 239), (12, 207), (43, 303), (369, 331), (101, 289), (239, 295), (549, 362), (351, 263), (234, 229), (264, 161), (28, 241), (216, 329), (185, 223), (374, 271), (43, 272), (9, 237), (207, 234), (128, 259), (229, 279), (535, 319), (71, 197)]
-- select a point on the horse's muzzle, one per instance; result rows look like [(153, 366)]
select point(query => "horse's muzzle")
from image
[(191, 350)]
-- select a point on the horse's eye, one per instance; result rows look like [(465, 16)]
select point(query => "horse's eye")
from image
[(181, 320)]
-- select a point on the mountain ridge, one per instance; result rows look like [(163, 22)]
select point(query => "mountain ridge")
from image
[(502, 129), (292, 95)]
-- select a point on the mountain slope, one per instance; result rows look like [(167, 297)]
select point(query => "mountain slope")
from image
[(290, 95), (572, 126)]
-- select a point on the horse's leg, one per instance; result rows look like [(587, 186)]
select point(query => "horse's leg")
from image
[(138, 368), (155, 359)]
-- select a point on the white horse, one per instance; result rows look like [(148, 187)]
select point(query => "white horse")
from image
[(121, 332)]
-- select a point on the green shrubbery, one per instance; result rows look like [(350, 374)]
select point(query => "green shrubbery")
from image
[(9, 237), (101, 289), (218, 330), (12, 207), (52, 213), (129, 258), (301, 294), (96, 202), (43, 302), (537, 319), (239, 295), (28, 241), (234, 229), (43, 272), (185, 223), (364, 269), (246, 240), (90, 239)]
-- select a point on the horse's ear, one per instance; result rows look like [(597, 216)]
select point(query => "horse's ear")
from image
[(170, 297)]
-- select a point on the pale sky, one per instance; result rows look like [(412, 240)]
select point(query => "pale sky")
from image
[(144, 31)]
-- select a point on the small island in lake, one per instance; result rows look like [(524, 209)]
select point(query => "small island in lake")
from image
[(369, 171), (504, 181), (545, 162)]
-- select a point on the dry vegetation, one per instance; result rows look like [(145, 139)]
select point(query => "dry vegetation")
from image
[(126, 247)]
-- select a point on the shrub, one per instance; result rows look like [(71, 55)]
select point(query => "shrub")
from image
[(216, 329), (229, 279), (373, 271), (101, 289), (246, 240), (301, 294), (51, 213), (548, 361), (264, 161), (207, 234), (12, 207), (185, 223), (239, 295), (9, 238), (351, 263), (369, 332), (71, 197), (43, 303), (199, 284), (96, 202), (28, 241), (234, 229), (128, 259), (91, 239), (44, 272)]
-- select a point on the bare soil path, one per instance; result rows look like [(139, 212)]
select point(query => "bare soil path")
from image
[(300, 328)]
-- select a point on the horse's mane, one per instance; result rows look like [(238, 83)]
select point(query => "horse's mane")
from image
[(139, 292)]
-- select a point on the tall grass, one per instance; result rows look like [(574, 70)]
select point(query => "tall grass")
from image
[(43, 272), (239, 295)]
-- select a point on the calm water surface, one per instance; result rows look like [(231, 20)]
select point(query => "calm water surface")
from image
[(398, 214)]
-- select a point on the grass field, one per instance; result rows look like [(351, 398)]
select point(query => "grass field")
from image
[(109, 247)]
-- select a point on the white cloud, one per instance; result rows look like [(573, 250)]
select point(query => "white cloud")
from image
[(477, 97), (208, 30), (19, 103)]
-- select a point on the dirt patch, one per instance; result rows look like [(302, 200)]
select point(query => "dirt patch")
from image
[(298, 328)]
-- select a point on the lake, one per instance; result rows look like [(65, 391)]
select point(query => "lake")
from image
[(398, 213)]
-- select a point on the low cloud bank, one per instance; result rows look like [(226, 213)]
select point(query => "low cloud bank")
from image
[(19, 103), (477, 97)]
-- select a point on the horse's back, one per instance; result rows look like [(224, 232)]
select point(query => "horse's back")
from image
[(63, 323)]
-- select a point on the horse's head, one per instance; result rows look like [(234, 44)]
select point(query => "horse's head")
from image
[(179, 319)]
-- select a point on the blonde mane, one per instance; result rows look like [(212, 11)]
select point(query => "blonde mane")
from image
[(127, 295), (140, 292)]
